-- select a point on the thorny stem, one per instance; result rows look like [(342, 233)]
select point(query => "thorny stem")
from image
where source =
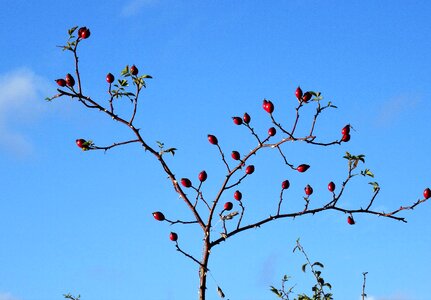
[(180, 222), (114, 145), (242, 214), (189, 256), (135, 104), (363, 285)]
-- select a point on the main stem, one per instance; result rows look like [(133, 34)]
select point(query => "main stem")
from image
[(203, 268)]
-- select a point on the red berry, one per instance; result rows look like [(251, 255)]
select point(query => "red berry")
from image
[(202, 176), (246, 118), (186, 182), (331, 186), (306, 96), (61, 82), (173, 236), (212, 139), (302, 168), (84, 33), (237, 195), (235, 155), (268, 106), (427, 193), (134, 70), (308, 190), (346, 129), (298, 93), (70, 81), (158, 216), (350, 220), (285, 184), (237, 120), (80, 143), (345, 137), (249, 170), (110, 78), (228, 206), (272, 131)]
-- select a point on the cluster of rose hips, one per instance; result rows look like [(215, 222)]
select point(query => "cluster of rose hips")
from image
[(345, 133), (302, 97), (67, 81)]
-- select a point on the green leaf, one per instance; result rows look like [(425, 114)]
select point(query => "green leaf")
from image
[(318, 264), (147, 76), (304, 267), (375, 185), (171, 150), (123, 82), (72, 30), (347, 156), (276, 291), (367, 172), (125, 71)]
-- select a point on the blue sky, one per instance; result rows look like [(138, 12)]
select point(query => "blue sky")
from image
[(80, 222)]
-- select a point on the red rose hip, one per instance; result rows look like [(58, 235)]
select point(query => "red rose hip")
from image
[(298, 93), (331, 186), (350, 220), (61, 82), (228, 206), (235, 155), (302, 168), (70, 81), (110, 78), (285, 184), (212, 139), (158, 216), (84, 33), (306, 97), (308, 190), (134, 70), (237, 120), (80, 142), (272, 131), (202, 176), (237, 195), (246, 118), (249, 170), (346, 129), (345, 138), (268, 106), (173, 236), (427, 193), (186, 182)]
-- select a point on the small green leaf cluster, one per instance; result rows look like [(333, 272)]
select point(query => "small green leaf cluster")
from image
[(69, 296), (163, 150), (318, 289), (71, 42)]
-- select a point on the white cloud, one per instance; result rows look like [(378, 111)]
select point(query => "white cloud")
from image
[(21, 102), (392, 109), (7, 296), (134, 6)]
